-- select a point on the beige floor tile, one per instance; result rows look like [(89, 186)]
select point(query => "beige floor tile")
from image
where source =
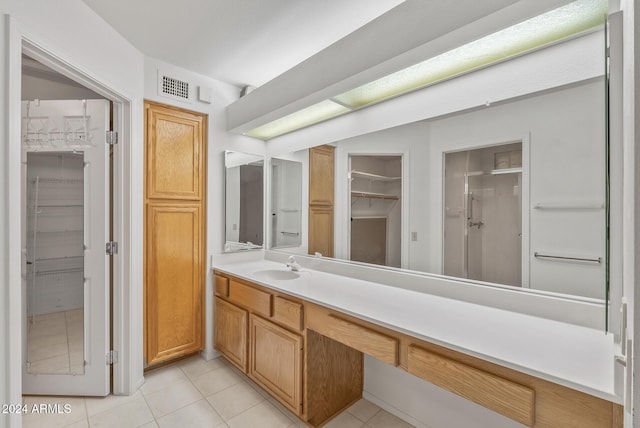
[(53, 415), (152, 424), (263, 415), (345, 420), (54, 365), (47, 348), (161, 378), (131, 414), (384, 419), (234, 400), (97, 405), (216, 380), (260, 390), (80, 424), (197, 366), (363, 410), (173, 397), (197, 415), (275, 403)]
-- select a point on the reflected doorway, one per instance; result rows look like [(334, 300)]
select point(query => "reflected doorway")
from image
[(375, 183), (483, 214)]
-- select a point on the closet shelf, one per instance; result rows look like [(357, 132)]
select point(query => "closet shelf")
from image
[(372, 195), (372, 177)]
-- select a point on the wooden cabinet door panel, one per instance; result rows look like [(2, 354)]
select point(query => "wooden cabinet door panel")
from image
[(174, 290), (230, 335), (276, 361), (321, 230), (174, 159), (321, 170)]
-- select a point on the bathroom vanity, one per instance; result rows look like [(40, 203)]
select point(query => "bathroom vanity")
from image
[(302, 336)]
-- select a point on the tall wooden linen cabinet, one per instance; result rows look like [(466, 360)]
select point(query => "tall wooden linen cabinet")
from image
[(321, 191), (174, 229)]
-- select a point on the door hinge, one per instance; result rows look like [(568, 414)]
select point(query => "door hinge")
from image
[(111, 357), (112, 248), (111, 137)]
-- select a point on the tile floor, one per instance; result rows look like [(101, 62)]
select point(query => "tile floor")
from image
[(55, 342), (195, 394)]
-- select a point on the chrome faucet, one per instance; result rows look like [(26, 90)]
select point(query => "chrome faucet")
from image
[(293, 265)]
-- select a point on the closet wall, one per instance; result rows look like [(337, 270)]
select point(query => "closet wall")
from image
[(376, 214), (55, 230)]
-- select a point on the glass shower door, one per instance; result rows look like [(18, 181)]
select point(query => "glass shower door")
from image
[(493, 228)]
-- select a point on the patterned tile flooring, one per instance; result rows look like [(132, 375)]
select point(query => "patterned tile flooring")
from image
[(199, 394)]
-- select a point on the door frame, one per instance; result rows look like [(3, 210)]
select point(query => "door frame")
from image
[(126, 377)]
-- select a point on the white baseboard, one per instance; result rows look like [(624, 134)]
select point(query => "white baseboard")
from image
[(394, 411), (209, 354)]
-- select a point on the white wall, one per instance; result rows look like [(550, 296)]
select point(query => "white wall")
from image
[(47, 89), (95, 50)]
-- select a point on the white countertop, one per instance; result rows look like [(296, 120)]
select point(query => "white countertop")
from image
[(573, 356)]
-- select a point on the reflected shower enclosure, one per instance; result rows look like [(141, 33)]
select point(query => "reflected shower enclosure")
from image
[(483, 214)]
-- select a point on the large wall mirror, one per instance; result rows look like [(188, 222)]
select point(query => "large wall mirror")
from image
[(244, 194), (511, 194)]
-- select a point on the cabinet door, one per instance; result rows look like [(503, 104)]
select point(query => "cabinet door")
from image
[(230, 332), (321, 170), (276, 361), (321, 230), (174, 278), (175, 162)]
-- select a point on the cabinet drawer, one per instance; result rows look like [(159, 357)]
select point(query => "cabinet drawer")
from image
[(288, 313), (496, 393), (357, 336), (257, 300), (221, 286)]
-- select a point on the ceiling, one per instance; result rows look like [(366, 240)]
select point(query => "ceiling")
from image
[(242, 42)]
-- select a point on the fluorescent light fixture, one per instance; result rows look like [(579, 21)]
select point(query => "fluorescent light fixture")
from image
[(534, 33), (316, 113), (550, 27)]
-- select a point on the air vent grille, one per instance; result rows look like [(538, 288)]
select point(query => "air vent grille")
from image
[(175, 87)]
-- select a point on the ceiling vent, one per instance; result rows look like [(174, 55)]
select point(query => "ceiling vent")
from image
[(174, 88)]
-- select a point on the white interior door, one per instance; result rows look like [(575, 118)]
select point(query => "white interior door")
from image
[(65, 227)]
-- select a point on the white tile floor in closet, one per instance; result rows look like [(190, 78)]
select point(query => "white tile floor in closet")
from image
[(199, 394), (55, 342)]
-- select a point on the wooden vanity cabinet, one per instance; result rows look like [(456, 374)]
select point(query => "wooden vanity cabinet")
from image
[(276, 361), (263, 333), (310, 358), (230, 336)]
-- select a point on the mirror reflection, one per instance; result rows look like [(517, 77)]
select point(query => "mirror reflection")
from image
[(286, 203), (244, 192), (483, 214), (55, 263), (510, 194)]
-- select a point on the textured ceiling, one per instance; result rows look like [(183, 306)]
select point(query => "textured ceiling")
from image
[(243, 42)]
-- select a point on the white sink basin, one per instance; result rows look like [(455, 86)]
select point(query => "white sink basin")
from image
[(276, 275)]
